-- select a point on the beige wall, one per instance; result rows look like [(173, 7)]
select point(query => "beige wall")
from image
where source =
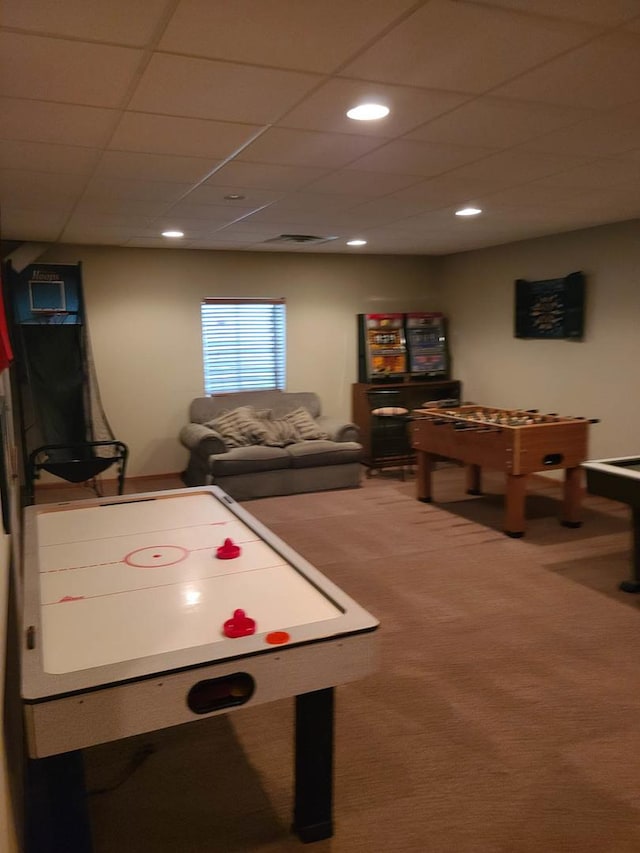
[(594, 378), (143, 308)]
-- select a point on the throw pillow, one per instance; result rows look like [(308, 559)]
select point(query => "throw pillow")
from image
[(305, 425), (239, 427), (280, 433)]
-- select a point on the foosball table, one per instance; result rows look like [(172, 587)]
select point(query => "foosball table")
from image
[(516, 441)]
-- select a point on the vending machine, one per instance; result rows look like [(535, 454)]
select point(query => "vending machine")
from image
[(382, 349), (426, 340)]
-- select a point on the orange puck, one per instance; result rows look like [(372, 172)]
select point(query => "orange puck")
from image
[(277, 638)]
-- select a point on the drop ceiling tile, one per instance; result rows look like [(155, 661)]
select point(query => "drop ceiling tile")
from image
[(39, 121), (40, 187), (208, 193), (158, 243), (127, 165), (446, 190), (606, 14), (186, 136), (266, 176), (605, 134), (138, 224), (296, 221), (306, 201), (99, 235), (186, 212), (68, 71), (147, 209), (325, 109), (405, 156), (281, 33), (218, 90), (118, 21), (515, 166), (38, 221), (388, 209), (497, 123), (605, 174), (361, 183), (112, 188), (425, 49), (44, 157), (306, 148), (600, 75), (247, 229), (535, 194)]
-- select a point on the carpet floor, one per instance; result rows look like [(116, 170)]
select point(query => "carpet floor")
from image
[(504, 716)]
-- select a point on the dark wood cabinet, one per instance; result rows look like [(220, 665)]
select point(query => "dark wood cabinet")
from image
[(382, 411)]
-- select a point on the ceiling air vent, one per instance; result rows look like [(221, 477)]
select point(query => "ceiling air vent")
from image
[(299, 238)]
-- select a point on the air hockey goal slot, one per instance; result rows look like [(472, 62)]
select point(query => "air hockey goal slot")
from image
[(553, 459), (216, 694)]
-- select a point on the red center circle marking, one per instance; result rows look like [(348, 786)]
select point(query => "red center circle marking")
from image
[(156, 556)]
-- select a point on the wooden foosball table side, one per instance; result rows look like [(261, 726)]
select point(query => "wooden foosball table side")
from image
[(518, 450)]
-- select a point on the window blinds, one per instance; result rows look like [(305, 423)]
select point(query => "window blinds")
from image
[(244, 344)]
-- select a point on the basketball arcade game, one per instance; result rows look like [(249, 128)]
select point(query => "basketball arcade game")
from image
[(518, 442), (64, 429), (146, 612)]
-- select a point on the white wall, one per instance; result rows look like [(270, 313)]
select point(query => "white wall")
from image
[(143, 308)]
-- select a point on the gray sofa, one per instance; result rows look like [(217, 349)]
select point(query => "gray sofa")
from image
[(256, 444)]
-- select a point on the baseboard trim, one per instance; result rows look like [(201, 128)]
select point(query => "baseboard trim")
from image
[(141, 478)]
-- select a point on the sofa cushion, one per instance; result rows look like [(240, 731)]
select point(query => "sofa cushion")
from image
[(304, 424), (308, 454), (239, 427), (248, 460)]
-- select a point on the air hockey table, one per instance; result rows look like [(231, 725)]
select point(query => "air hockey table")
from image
[(149, 611), (618, 478)]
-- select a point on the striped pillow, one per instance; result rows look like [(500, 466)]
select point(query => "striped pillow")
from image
[(239, 427), (280, 433), (304, 424)]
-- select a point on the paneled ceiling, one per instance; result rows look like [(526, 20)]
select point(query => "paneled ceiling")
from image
[(226, 119)]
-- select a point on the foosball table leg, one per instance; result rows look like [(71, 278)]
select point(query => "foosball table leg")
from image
[(474, 480), (514, 524), (425, 465), (572, 494)]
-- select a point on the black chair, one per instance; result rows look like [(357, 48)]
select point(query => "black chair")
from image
[(76, 463)]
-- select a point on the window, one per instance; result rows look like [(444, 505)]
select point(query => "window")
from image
[(243, 344)]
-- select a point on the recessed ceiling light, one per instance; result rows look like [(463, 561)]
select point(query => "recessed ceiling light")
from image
[(468, 211), (356, 242), (233, 196), (173, 233), (368, 112)]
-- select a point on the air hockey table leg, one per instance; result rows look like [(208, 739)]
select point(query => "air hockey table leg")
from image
[(633, 585), (56, 808), (313, 805)]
